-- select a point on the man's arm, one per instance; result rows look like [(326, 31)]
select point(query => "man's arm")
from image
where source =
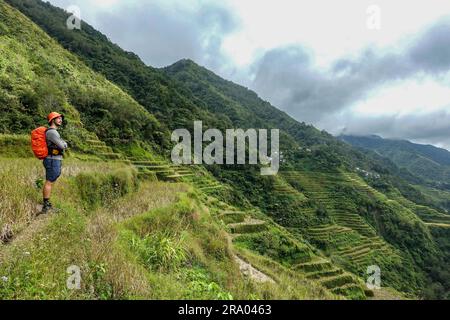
[(53, 136)]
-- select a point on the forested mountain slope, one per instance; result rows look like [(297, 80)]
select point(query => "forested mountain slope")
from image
[(331, 212), (426, 161)]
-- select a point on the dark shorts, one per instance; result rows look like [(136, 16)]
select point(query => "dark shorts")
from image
[(52, 169)]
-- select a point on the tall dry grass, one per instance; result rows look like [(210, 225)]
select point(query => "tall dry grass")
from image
[(18, 192), (21, 193), (125, 275)]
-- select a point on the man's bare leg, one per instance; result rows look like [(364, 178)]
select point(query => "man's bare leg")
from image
[(47, 191)]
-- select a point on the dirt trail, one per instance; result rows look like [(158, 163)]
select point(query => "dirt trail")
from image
[(386, 294), (249, 271)]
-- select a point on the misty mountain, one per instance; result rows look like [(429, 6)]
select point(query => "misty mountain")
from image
[(426, 161)]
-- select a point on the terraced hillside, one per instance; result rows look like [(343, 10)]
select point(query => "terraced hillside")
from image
[(431, 217), (306, 275), (254, 235), (426, 161), (350, 237), (262, 237), (312, 229), (92, 163)]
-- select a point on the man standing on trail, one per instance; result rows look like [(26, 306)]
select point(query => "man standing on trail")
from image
[(52, 162)]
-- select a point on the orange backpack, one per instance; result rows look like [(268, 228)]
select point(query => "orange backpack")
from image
[(39, 142)]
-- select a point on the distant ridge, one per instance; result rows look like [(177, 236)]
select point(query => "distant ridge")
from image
[(426, 161)]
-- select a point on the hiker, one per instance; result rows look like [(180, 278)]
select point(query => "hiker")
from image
[(53, 160)]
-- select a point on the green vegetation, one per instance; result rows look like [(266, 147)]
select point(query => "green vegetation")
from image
[(425, 161), (158, 241), (37, 76), (97, 189), (14, 146), (308, 233)]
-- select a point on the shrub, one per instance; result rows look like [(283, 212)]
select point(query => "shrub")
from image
[(276, 245), (164, 252), (101, 189), (200, 284), (15, 146)]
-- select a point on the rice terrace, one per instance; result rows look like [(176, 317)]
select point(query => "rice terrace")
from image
[(190, 150)]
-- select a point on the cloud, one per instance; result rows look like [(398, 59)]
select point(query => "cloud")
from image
[(288, 78), (433, 127), (162, 32), (432, 52), (161, 35), (287, 75)]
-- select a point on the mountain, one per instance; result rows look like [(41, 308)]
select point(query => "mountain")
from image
[(330, 213), (185, 92), (163, 94), (38, 76), (121, 227), (426, 161)]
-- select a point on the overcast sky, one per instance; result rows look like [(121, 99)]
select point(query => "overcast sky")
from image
[(353, 66)]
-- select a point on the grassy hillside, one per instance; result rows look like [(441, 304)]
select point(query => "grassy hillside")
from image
[(38, 76), (155, 241), (309, 232), (138, 238)]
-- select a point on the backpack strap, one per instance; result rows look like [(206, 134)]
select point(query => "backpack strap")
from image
[(53, 150)]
